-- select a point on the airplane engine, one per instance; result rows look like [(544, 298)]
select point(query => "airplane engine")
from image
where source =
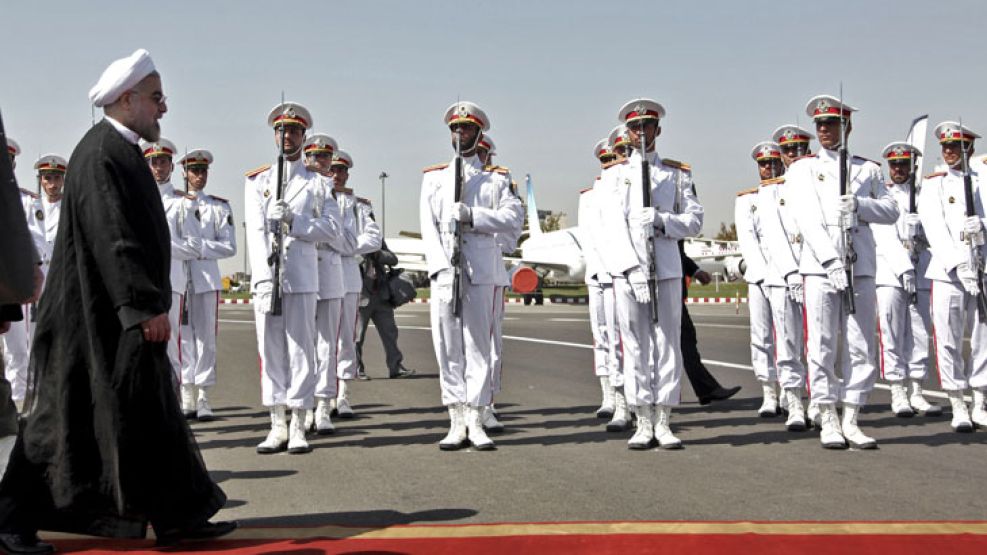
[(525, 280), (735, 267)]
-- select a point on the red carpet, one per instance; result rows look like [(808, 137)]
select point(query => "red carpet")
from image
[(693, 538)]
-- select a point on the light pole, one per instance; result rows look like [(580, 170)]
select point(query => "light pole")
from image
[(383, 205)]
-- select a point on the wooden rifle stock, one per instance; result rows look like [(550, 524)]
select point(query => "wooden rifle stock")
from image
[(277, 241), (457, 251), (650, 242)]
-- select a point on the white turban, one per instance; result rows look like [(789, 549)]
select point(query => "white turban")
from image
[(121, 76)]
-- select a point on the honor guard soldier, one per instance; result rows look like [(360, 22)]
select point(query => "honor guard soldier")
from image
[(793, 141), (838, 264), (51, 170), (619, 142), (459, 230), (17, 341), (602, 313), (186, 244), (214, 218), (904, 320), (759, 276), (362, 237), (956, 270), (642, 223), (319, 149), (284, 223), (782, 243), (486, 150)]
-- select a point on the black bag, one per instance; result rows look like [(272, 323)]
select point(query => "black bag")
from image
[(401, 289)]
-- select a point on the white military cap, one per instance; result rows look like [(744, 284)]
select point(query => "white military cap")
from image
[(121, 76), (602, 149), (618, 137), (900, 150), (828, 106), (13, 148), (487, 143), (51, 163), (640, 109), (766, 150), (791, 133), (319, 143), (197, 157), (951, 131), (288, 113), (465, 111), (163, 147), (342, 158)]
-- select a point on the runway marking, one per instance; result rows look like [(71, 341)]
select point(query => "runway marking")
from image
[(568, 319), (729, 326), (236, 321)]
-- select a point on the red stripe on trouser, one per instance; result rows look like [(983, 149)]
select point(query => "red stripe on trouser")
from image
[(935, 336), (805, 338), (335, 342)]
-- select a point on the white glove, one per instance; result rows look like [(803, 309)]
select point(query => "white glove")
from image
[(195, 243), (461, 213), (908, 282), (837, 274), (794, 282), (847, 204), (279, 212), (974, 229), (262, 296), (639, 285), (642, 217), (968, 278)]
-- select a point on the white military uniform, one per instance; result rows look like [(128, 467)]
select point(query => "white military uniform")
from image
[(180, 213), (215, 222), (599, 285), (507, 242), (52, 214), (463, 346), (362, 237), (816, 181), (942, 207), (287, 341), (623, 247), (757, 256), (782, 239), (17, 340), (329, 309)]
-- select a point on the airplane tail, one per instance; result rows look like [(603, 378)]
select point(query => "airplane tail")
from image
[(534, 226)]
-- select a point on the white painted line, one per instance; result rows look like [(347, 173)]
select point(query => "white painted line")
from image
[(568, 319), (236, 321)]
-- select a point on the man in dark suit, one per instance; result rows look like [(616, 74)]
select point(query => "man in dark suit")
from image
[(705, 386)]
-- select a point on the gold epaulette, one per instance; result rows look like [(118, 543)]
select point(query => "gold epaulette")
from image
[(435, 167), (187, 196), (586, 190), (937, 174), (746, 191), (613, 163), (363, 200), (676, 164), (773, 181), (496, 169), (258, 170), (31, 194), (220, 199)]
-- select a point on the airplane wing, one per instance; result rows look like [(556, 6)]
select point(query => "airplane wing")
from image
[(410, 252)]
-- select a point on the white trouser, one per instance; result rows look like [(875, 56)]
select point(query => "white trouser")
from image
[(645, 342), (174, 317), (786, 317), (328, 313), (346, 365), (287, 352), (462, 346), (953, 312), (616, 351), (598, 325), (903, 327), (497, 345), (17, 354), (826, 320), (199, 340), (762, 333)]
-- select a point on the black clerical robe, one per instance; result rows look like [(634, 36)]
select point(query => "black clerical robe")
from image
[(104, 449)]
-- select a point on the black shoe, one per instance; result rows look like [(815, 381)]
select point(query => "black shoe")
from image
[(24, 543), (719, 394), (402, 373), (361, 374), (204, 531)]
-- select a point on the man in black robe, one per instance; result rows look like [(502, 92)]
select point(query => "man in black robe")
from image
[(103, 448)]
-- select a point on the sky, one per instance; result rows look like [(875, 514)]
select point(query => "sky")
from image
[(379, 75)]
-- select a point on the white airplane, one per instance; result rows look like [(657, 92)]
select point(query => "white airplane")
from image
[(558, 255)]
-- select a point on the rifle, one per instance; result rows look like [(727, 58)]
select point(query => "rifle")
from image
[(183, 318), (650, 242), (973, 242), (277, 239), (34, 306), (457, 231), (846, 223), (916, 135)]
